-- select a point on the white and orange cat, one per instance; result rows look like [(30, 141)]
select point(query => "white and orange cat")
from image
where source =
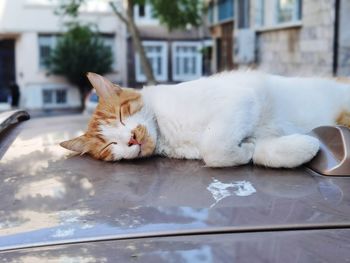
[(228, 119)]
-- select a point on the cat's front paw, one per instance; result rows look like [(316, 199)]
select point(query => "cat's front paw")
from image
[(286, 152), (306, 148)]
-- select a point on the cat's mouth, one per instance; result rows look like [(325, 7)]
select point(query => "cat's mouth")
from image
[(134, 141)]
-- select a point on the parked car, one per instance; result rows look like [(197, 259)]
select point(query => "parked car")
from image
[(91, 102), (60, 207)]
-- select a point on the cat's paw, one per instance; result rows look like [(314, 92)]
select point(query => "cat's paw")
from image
[(304, 148), (286, 151)]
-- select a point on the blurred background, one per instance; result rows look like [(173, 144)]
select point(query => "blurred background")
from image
[(47, 46)]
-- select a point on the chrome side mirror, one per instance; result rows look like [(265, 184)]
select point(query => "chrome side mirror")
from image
[(334, 156)]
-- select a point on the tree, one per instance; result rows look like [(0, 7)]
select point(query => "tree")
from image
[(175, 14), (78, 51)]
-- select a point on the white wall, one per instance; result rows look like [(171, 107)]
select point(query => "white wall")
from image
[(31, 96), (22, 15), (24, 20)]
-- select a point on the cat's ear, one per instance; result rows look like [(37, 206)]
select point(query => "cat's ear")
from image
[(104, 88), (79, 144)]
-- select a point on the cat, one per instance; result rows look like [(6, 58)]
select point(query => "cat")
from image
[(228, 119)]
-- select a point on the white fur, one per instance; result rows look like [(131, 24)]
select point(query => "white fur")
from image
[(232, 118)]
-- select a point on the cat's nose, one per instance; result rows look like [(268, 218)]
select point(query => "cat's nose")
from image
[(133, 141)]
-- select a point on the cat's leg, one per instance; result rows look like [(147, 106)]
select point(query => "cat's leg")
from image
[(230, 155), (227, 140), (285, 151), (222, 147)]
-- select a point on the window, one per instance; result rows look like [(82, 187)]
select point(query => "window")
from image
[(48, 96), (285, 13), (61, 96), (46, 45), (288, 11), (109, 41), (144, 14), (48, 42), (142, 10), (187, 60), (243, 14), (156, 52), (54, 97), (225, 9), (211, 13), (259, 12)]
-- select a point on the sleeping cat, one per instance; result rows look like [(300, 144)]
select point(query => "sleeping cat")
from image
[(228, 119)]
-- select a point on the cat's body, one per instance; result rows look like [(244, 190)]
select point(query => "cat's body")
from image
[(231, 118)]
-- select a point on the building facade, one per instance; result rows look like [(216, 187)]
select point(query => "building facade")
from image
[(175, 56), (221, 15), (29, 30), (291, 37)]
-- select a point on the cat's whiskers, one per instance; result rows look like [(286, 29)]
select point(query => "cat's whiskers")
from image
[(105, 147), (120, 117)]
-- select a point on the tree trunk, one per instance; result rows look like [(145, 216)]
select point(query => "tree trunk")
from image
[(138, 45), (83, 93), (135, 35)]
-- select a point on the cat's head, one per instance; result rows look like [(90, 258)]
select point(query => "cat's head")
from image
[(121, 126)]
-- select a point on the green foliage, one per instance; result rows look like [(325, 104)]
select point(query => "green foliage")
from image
[(78, 51), (175, 14), (70, 8), (179, 13), (171, 13)]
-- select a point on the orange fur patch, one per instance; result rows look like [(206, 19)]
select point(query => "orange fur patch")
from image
[(344, 119), (143, 137), (128, 103), (343, 80)]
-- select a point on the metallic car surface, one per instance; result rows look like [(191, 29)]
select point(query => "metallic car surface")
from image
[(51, 196), (11, 117), (334, 155), (272, 247)]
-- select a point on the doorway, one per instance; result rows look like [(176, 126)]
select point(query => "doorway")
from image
[(7, 67)]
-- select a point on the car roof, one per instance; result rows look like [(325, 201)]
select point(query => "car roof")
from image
[(273, 247), (51, 196)]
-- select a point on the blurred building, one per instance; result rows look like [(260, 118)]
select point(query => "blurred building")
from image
[(29, 30), (175, 56), (221, 24), (289, 37)]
